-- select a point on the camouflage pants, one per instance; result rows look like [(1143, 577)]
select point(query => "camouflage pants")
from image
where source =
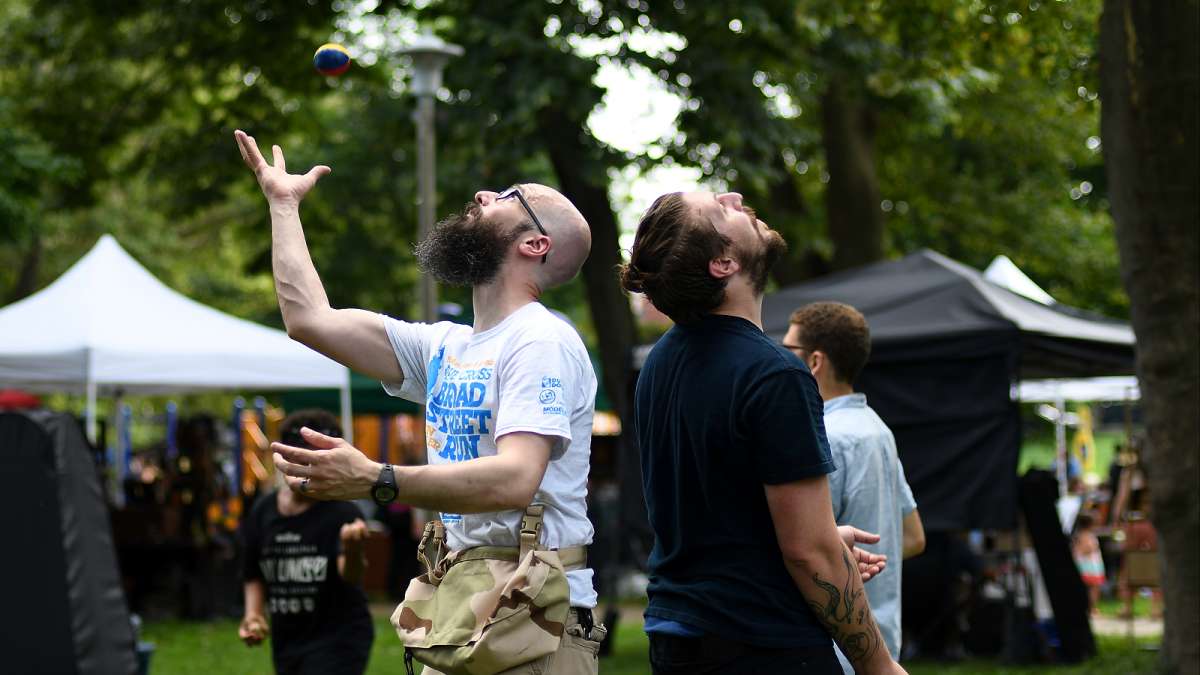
[(576, 655)]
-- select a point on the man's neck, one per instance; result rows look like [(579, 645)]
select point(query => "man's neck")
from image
[(493, 302), (291, 504), (832, 390), (742, 302)]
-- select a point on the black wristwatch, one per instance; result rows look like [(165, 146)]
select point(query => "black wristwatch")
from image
[(384, 491)]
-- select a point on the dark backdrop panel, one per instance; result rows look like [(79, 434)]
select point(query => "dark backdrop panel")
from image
[(1068, 595), (1044, 356), (956, 428), (36, 633), (103, 636)]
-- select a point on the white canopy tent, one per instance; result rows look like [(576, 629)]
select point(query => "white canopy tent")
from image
[(108, 326), (1085, 390), (1004, 272)]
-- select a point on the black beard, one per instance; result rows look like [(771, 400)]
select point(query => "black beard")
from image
[(463, 249), (759, 266)]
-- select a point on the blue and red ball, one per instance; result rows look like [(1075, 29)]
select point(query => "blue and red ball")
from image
[(331, 59)]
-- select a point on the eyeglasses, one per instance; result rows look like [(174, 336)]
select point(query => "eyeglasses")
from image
[(795, 349), (515, 191)]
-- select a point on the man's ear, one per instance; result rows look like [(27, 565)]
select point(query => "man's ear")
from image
[(819, 362), (721, 268), (536, 245)]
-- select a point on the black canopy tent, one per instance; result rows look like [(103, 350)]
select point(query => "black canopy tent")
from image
[(947, 346), (67, 611)]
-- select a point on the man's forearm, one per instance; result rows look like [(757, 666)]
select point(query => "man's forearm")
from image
[(482, 485), (297, 285), (834, 590), (352, 565), (254, 594)]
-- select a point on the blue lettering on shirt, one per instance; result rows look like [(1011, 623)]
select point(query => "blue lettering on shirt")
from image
[(456, 410)]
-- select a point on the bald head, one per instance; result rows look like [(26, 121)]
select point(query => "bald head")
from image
[(570, 236)]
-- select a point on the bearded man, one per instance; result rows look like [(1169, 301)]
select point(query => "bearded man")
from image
[(509, 400)]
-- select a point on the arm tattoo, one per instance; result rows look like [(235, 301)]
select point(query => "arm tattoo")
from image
[(846, 614)]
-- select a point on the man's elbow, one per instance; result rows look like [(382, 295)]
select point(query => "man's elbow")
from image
[(814, 554), (914, 545), (512, 495), (302, 326)]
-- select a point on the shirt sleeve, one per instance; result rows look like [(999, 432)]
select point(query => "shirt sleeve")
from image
[(908, 504), (412, 343), (538, 388), (785, 419), (838, 479)]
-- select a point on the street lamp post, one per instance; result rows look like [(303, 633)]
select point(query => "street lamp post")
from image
[(429, 56)]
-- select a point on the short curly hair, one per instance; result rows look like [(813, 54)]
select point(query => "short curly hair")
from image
[(838, 330), (321, 421)]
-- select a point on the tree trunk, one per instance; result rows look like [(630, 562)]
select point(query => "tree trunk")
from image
[(1148, 79), (26, 281), (784, 208), (612, 317), (611, 314), (852, 195)]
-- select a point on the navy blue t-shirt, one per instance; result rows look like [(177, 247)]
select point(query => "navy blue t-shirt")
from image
[(721, 410)]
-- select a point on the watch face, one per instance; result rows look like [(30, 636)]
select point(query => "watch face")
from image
[(384, 493)]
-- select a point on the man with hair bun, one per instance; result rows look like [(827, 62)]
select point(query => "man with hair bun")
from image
[(869, 490), (749, 573)]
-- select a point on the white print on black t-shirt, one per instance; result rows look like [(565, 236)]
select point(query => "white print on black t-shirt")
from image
[(292, 569), (305, 570)]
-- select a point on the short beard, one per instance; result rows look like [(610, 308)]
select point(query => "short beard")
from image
[(758, 265), (464, 250)]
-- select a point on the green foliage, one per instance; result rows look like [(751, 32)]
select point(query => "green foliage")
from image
[(985, 113), (117, 117)]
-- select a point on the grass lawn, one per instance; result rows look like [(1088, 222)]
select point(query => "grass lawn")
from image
[(185, 648)]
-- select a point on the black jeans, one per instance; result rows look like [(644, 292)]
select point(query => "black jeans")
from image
[(673, 655)]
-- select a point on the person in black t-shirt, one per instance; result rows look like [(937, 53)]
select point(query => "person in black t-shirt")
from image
[(303, 567), (749, 573)]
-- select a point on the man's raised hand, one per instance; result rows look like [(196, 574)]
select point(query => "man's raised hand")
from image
[(280, 187)]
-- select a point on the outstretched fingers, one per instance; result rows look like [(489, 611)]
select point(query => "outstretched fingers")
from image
[(316, 438), (277, 154), (249, 150), (314, 174), (295, 462)]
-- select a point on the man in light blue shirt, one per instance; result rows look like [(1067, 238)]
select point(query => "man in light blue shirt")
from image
[(869, 490)]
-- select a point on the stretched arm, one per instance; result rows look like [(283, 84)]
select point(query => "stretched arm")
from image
[(504, 481), (914, 535), (253, 629), (826, 572), (352, 337)]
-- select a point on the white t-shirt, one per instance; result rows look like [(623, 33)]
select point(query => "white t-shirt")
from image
[(530, 373)]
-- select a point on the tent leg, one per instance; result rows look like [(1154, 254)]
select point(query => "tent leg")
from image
[(347, 413), (1060, 445), (92, 430)]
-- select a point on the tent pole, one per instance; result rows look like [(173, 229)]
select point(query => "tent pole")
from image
[(347, 413), (92, 431), (1060, 445)]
